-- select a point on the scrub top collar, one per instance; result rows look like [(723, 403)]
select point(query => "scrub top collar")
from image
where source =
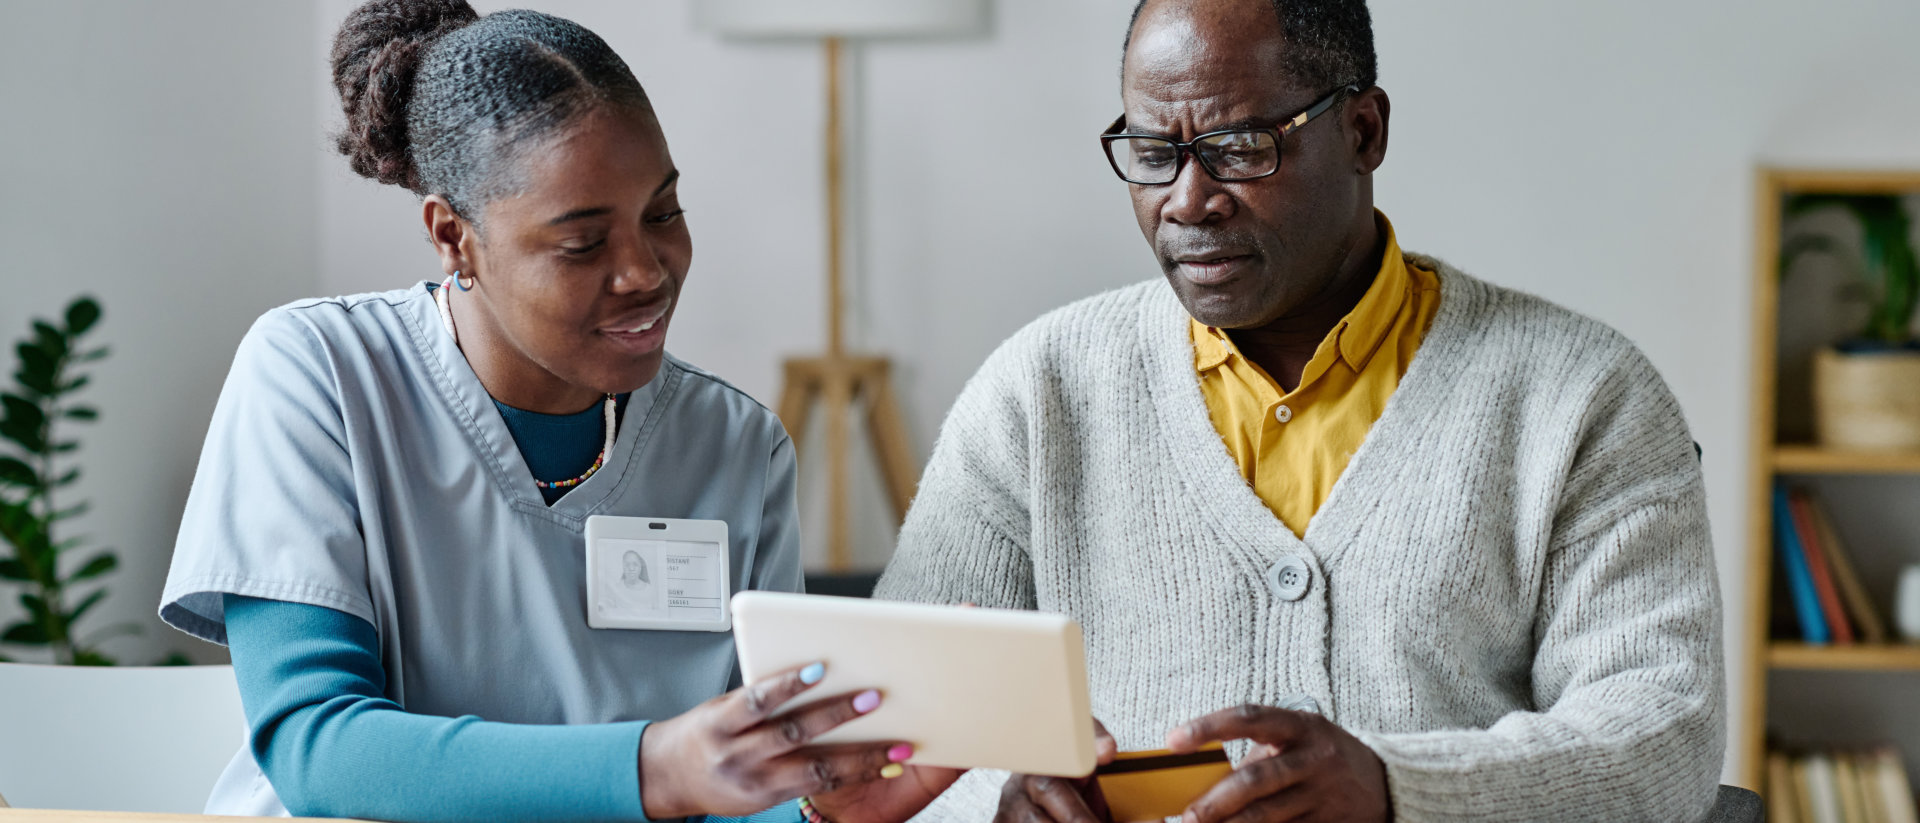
[(468, 402)]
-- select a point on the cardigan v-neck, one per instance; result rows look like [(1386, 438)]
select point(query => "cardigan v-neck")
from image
[(1213, 472)]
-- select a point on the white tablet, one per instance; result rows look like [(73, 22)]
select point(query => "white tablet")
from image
[(657, 573), (969, 688)]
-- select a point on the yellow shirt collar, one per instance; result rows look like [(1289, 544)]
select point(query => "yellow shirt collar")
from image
[(1358, 335)]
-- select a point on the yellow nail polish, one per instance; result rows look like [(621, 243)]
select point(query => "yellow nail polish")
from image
[(892, 770)]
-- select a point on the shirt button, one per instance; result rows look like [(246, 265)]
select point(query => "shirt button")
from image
[(1300, 703), (1283, 414), (1289, 578)]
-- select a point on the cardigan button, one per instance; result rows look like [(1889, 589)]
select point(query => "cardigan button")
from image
[(1290, 578), (1283, 414)]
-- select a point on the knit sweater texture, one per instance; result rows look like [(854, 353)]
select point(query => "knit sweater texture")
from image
[(1510, 592)]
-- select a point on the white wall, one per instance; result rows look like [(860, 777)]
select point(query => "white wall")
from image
[(155, 156)]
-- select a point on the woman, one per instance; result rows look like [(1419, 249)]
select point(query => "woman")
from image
[(386, 526)]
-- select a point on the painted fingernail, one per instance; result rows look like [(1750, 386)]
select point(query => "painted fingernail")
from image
[(866, 701), (892, 770), (812, 674), (900, 753)]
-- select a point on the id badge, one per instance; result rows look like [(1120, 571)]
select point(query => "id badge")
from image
[(654, 573)]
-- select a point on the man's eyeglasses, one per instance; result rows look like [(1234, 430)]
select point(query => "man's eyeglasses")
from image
[(1231, 154)]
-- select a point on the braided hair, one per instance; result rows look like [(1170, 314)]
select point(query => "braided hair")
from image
[(439, 99), (1329, 42)]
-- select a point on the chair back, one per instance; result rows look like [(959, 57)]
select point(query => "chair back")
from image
[(116, 738), (1737, 805)]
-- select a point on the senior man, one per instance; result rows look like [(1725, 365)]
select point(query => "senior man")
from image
[(1437, 549)]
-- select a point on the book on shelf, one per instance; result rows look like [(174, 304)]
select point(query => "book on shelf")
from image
[(1822, 798), (1783, 797), (1823, 586), (1829, 602), (1867, 620), (1839, 786), (1793, 563)]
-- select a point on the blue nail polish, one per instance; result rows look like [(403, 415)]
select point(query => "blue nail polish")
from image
[(812, 674)]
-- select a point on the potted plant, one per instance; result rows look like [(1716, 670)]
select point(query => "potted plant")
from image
[(1866, 388), (33, 473)]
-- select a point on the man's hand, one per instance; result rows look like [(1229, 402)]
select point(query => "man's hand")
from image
[(1027, 798), (1303, 767)]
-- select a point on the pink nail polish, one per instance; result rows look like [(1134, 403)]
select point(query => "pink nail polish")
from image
[(900, 753), (867, 701)]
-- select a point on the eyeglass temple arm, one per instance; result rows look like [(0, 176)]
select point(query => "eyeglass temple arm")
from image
[(1318, 109)]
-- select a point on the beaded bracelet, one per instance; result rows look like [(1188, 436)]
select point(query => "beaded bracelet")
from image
[(809, 813)]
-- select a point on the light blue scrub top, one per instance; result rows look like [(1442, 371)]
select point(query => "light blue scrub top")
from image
[(355, 462)]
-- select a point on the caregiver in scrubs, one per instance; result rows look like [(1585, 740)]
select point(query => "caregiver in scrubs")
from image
[(387, 522)]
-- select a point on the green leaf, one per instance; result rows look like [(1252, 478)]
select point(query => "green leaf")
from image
[(68, 478), (25, 634), (100, 564), (23, 412), (71, 512), (86, 604), (36, 360), (89, 357), (35, 606), (66, 447), (50, 339), (89, 657), (175, 659), (14, 570), (74, 385), (17, 473), (23, 423), (81, 413), (37, 385), (34, 386), (27, 438), (42, 551), (82, 313)]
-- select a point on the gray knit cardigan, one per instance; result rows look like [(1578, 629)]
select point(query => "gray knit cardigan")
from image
[(1510, 594)]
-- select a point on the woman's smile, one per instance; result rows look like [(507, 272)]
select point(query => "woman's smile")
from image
[(641, 330)]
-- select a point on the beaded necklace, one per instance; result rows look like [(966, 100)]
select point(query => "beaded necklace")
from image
[(443, 297)]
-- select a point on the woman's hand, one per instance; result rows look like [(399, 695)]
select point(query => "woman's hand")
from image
[(1027, 798), (729, 756), (888, 801)]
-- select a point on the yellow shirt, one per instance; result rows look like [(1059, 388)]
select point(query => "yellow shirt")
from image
[(1292, 447)]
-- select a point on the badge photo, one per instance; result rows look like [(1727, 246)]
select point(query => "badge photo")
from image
[(658, 573)]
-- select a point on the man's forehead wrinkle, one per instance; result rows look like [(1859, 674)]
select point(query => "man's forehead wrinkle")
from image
[(1200, 92), (1168, 112)]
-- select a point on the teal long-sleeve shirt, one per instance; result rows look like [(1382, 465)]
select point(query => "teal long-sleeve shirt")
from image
[(333, 745)]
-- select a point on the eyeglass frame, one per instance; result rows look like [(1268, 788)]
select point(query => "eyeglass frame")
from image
[(1183, 150)]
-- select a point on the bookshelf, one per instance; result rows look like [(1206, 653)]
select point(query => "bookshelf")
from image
[(1805, 459), (1783, 654), (1777, 450)]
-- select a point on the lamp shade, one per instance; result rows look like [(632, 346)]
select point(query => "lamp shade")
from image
[(839, 18)]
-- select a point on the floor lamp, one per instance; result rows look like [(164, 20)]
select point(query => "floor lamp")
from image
[(836, 380)]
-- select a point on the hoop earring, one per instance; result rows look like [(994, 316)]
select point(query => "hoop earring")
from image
[(463, 284)]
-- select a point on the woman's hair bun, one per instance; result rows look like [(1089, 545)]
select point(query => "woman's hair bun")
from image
[(375, 55)]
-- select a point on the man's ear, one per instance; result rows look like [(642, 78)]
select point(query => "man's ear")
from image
[(1366, 119), (451, 235)]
